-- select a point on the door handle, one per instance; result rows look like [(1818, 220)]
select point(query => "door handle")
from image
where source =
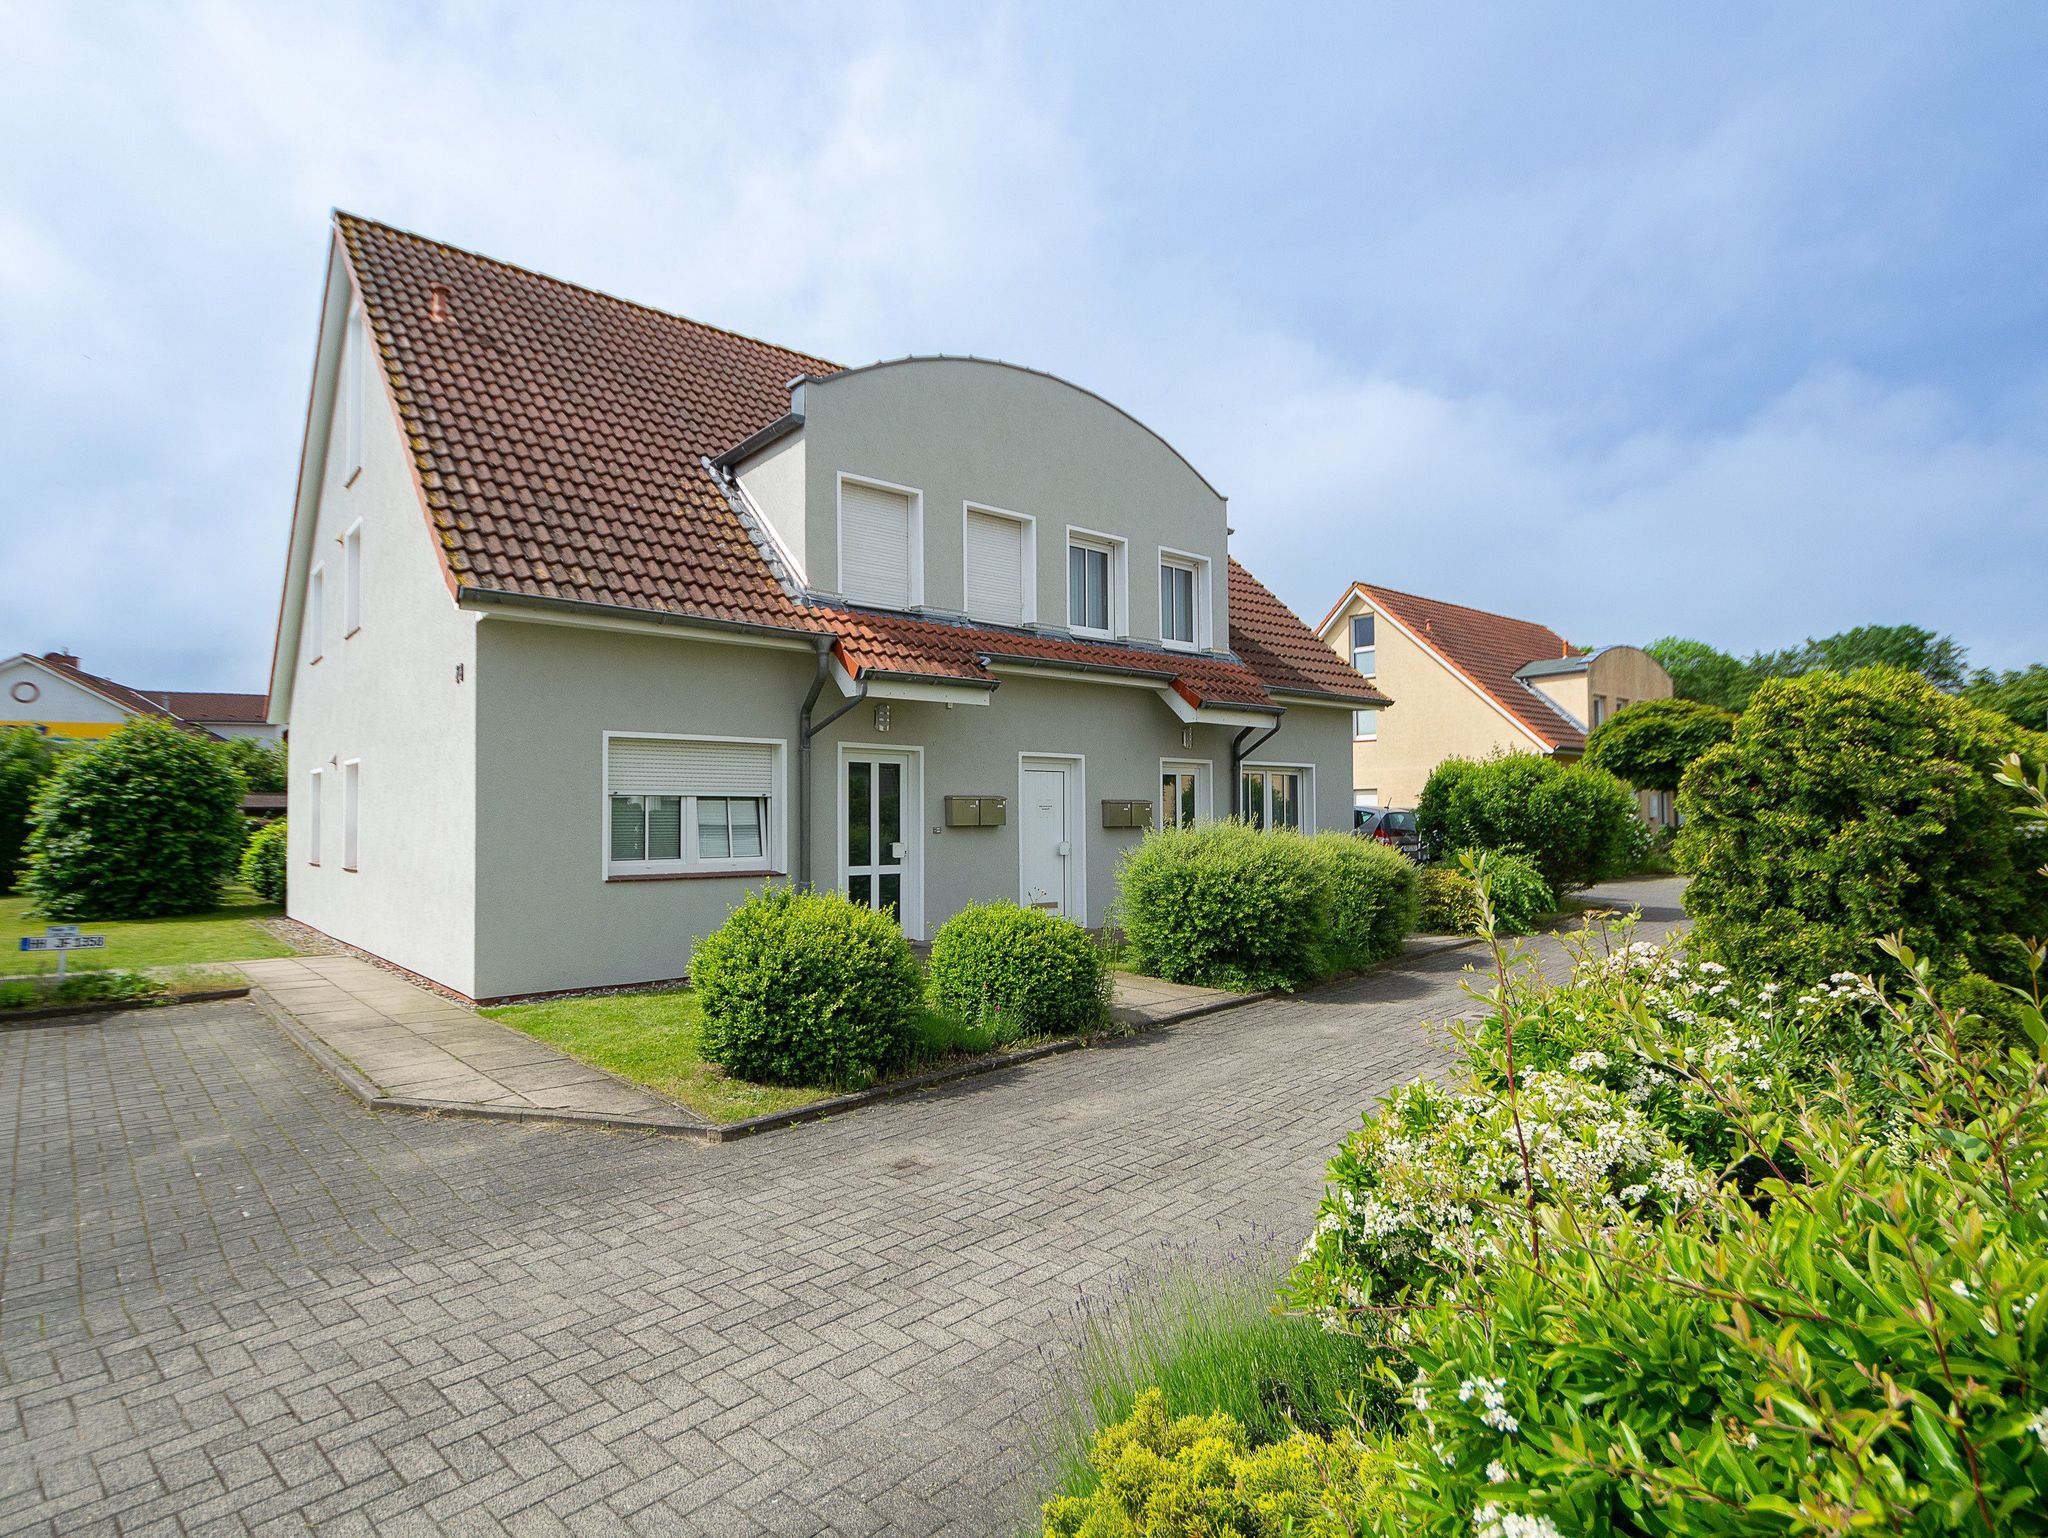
[(896, 852), (1063, 849)]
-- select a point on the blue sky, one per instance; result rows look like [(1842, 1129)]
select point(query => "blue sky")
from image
[(1726, 321)]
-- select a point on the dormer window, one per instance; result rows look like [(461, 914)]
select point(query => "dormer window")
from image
[(1183, 600), (881, 542), (1094, 584), (1000, 562)]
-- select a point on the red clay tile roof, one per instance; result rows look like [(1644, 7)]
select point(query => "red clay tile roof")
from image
[(1488, 649), (120, 694), (209, 707), (559, 436)]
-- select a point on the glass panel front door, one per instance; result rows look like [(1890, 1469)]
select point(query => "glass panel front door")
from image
[(877, 844)]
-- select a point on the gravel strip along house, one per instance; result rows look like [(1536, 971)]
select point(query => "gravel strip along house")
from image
[(596, 617)]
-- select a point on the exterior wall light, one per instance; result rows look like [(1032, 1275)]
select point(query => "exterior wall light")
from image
[(881, 718)]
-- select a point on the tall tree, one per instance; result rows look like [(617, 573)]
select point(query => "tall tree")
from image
[(2020, 696), (1699, 672), (1937, 658)]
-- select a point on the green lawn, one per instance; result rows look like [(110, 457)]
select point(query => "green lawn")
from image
[(651, 1039), (227, 933)]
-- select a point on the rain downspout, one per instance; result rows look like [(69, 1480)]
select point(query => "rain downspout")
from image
[(1238, 754), (806, 729)]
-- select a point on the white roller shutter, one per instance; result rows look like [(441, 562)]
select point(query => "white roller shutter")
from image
[(874, 545), (995, 569), (644, 766)]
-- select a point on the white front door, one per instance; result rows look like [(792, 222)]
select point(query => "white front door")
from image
[(878, 818), (1048, 849)]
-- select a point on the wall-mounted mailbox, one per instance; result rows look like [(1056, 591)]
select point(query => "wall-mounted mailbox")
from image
[(977, 811), (1127, 814)]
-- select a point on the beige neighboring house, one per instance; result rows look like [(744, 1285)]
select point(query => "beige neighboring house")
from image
[(1471, 684)]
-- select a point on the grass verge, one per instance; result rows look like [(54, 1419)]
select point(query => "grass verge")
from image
[(226, 933), (1204, 1332), (654, 1039)]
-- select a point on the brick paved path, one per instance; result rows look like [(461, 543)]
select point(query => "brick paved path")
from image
[(231, 1299)]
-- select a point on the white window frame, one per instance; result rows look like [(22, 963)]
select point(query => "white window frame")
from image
[(1029, 576), (316, 611), (1599, 709), (351, 814), (1116, 597), (1350, 632), (1374, 734), (313, 795), (1308, 792), (910, 910), (1365, 800), (914, 579), (1197, 566), (355, 373), (773, 859), (1205, 781), (352, 579)]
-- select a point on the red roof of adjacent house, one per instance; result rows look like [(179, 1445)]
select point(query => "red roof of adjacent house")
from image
[(560, 435), (1488, 649), (119, 694), (209, 707)]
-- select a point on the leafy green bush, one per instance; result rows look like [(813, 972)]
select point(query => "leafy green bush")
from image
[(1578, 825), (263, 862), (1224, 905), (805, 988), (1040, 973), (1447, 903), (25, 762), (1521, 897), (1162, 1477), (260, 765), (146, 824), (1371, 891), (1650, 744), (1850, 807)]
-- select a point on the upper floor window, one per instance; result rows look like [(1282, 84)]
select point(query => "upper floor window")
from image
[(1181, 591), (1364, 654), (677, 805), (1094, 584), (1365, 724), (316, 614), (352, 580), (1599, 708), (1001, 585), (880, 544)]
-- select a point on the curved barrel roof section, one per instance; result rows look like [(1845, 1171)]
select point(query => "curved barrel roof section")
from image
[(915, 359)]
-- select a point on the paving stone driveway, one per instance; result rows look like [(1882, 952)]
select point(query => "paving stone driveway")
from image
[(232, 1299)]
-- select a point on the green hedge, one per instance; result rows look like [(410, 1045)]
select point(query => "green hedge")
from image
[(1029, 973), (805, 988), (25, 762), (263, 862), (146, 824), (1579, 825), (1521, 897), (1845, 808), (1225, 905), (1447, 901)]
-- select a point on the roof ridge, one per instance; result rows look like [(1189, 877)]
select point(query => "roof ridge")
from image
[(342, 215), (1467, 608)]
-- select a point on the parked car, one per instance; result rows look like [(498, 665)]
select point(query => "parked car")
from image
[(1395, 826)]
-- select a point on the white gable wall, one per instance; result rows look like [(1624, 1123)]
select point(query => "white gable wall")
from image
[(58, 702), (387, 697)]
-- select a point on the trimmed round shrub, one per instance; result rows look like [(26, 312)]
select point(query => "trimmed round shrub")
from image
[(1447, 901), (1578, 825), (1040, 975), (25, 762), (148, 823), (1224, 905), (263, 862), (805, 988), (1651, 744), (1371, 893), (1850, 807), (1521, 897)]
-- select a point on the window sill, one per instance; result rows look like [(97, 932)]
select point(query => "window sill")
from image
[(695, 875)]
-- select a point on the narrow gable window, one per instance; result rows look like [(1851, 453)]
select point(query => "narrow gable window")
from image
[(877, 545), (316, 614), (1364, 655), (1365, 725), (998, 569), (314, 785), (351, 812), (673, 807), (352, 580)]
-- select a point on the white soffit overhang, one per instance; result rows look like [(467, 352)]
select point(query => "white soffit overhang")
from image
[(890, 687), (1215, 715)]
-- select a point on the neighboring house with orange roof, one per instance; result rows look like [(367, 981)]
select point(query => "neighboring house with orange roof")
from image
[(52, 694), (1473, 684), (596, 617)]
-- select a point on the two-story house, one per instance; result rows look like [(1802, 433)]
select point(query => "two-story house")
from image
[(1473, 684), (596, 617)]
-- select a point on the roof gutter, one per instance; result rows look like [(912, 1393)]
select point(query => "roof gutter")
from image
[(488, 598), (1014, 660), (751, 445)]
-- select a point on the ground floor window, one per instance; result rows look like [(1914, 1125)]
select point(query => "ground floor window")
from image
[(678, 804), (1181, 795), (1274, 798)]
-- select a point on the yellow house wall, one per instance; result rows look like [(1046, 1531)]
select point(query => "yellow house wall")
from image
[(1436, 715), (1627, 673), (1569, 693)]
